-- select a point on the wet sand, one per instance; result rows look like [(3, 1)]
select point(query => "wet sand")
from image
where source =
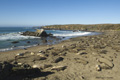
[(81, 58)]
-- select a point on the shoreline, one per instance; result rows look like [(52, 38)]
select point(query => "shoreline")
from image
[(35, 45), (86, 58), (48, 42)]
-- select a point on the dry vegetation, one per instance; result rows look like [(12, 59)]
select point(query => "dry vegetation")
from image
[(99, 27)]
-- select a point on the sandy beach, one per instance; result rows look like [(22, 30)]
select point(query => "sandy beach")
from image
[(81, 58), (59, 39)]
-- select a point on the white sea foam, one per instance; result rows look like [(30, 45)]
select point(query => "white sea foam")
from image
[(14, 48), (72, 34), (15, 36), (6, 49)]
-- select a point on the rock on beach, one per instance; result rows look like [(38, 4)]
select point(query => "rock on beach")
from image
[(38, 33)]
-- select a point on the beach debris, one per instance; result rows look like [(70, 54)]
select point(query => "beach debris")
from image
[(98, 68), (58, 59), (59, 68), (20, 54), (32, 53), (107, 64)]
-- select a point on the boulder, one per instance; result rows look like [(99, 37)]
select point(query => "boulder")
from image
[(38, 33), (28, 33), (43, 34)]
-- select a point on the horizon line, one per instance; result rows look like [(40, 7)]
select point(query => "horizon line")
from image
[(52, 24)]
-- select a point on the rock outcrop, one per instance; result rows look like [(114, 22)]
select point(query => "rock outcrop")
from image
[(38, 33)]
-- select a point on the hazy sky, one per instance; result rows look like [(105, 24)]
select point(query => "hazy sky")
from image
[(48, 12)]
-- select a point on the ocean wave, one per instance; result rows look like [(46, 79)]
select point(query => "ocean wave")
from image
[(6, 49), (14, 48), (14, 36), (72, 34)]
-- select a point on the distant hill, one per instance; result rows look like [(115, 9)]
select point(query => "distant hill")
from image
[(85, 27)]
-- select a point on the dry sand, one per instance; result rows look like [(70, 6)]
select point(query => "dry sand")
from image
[(82, 58)]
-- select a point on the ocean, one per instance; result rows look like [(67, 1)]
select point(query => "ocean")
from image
[(10, 34)]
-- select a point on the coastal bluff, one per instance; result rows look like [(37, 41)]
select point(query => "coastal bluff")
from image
[(37, 33)]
